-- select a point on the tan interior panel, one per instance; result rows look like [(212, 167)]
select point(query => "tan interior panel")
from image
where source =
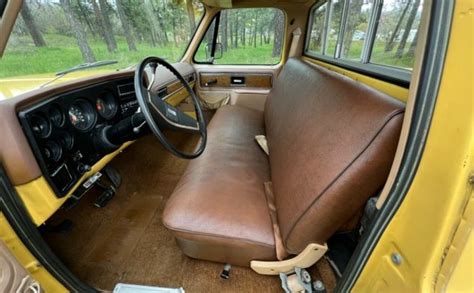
[(224, 80), (13, 276), (177, 94), (253, 100), (213, 100)]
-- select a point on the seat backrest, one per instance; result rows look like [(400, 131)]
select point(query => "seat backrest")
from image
[(332, 141)]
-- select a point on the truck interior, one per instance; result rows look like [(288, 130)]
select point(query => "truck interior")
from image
[(218, 177)]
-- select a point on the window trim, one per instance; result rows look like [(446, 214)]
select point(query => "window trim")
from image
[(392, 74), (217, 14)]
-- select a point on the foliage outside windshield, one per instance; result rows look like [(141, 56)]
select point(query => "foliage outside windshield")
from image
[(53, 35)]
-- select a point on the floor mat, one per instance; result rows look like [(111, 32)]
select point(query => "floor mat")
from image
[(126, 242)]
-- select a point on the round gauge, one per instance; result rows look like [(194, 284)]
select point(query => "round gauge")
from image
[(82, 115), (40, 125), (106, 105), (53, 151), (66, 140), (56, 116)]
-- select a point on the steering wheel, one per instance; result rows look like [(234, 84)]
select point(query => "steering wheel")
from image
[(160, 115)]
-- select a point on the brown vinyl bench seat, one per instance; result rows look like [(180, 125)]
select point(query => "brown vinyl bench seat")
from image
[(331, 142)]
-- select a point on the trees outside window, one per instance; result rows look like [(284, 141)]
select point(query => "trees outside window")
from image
[(317, 29), (247, 36), (393, 31), (33, 29), (355, 32), (57, 34), (397, 33)]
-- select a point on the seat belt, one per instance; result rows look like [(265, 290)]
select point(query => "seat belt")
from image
[(281, 252), (308, 257), (296, 35)]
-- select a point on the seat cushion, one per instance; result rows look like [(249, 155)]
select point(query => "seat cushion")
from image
[(219, 211)]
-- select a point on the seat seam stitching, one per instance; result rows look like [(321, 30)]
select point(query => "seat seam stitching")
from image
[(219, 236), (392, 116)]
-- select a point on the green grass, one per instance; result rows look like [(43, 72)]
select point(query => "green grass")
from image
[(379, 56), (23, 58)]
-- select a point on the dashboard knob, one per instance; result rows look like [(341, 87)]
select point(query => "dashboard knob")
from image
[(83, 168)]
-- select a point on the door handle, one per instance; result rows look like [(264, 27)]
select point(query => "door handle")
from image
[(237, 80), (210, 82)]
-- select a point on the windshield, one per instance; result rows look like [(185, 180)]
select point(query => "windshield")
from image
[(51, 36)]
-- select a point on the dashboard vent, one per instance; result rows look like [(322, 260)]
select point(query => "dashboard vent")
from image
[(126, 89)]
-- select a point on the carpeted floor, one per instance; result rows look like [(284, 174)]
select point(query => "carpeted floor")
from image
[(126, 242)]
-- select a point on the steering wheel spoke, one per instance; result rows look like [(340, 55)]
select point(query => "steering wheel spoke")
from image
[(172, 117), (161, 115)]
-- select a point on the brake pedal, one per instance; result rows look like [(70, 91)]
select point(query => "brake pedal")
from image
[(105, 197)]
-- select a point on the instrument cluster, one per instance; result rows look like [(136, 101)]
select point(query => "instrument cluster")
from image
[(61, 130)]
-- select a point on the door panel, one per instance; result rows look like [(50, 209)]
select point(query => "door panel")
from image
[(247, 86), (241, 80)]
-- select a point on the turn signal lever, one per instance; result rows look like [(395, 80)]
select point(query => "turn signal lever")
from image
[(111, 137)]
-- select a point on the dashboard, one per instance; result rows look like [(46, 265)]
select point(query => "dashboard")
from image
[(61, 130)]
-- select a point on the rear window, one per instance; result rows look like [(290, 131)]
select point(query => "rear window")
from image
[(363, 32)]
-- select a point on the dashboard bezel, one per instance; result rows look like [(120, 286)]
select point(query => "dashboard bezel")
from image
[(86, 153)]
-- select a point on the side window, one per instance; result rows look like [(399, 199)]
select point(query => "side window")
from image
[(335, 15), (397, 33), (355, 31), (381, 32), (250, 36), (317, 29)]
